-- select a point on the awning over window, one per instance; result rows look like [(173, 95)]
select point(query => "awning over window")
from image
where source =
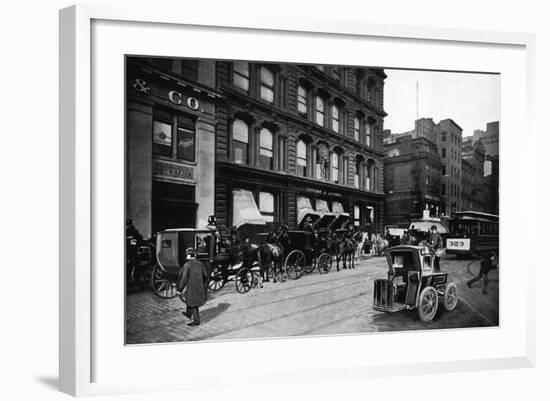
[(304, 209), (327, 216), (338, 209), (341, 216), (245, 210)]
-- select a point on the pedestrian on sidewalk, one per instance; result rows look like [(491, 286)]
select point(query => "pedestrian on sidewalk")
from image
[(193, 285), (488, 263)]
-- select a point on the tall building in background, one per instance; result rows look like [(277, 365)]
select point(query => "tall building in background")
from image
[(449, 143), (490, 140), (474, 191), (447, 136), (412, 180)]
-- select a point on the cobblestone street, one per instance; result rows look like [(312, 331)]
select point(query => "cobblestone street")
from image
[(335, 303)]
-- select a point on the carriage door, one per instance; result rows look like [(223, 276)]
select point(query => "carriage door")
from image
[(173, 206)]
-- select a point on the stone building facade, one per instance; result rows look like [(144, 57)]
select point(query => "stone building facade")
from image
[(474, 190), (412, 180), (170, 146), (295, 137)]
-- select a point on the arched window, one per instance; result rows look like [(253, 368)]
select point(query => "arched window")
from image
[(267, 206), (241, 75), (301, 158), (371, 84), (356, 128), (346, 171), (369, 131), (267, 83), (302, 100), (322, 171), (320, 111), (369, 176), (335, 167), (357, 175), (266, 149), (335, 118), (239, 142)]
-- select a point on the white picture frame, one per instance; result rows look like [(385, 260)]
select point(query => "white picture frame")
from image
[(81, 346)]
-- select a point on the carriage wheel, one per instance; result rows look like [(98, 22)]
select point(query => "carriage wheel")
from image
[(217, 279), (324, 263), (295, 264), (450, 298), (144, 277), (161, 284), (427, 304), (244, 280)]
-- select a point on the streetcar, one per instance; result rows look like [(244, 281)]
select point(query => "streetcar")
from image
[(472, 233)]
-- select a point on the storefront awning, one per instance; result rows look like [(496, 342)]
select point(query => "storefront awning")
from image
[(305, 209), (341, 216), (245, 210), (327, 216)]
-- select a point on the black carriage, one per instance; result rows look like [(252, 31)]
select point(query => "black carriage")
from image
[(171, 246), (308, 249), (413, 284)]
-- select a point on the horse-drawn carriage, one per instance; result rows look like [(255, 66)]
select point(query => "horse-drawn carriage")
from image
[(308, 248), (171, 246)]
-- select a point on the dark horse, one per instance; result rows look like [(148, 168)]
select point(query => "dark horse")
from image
[(345, 242), (271, 252)]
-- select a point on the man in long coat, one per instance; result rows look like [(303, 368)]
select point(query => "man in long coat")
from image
[(435, 242), (193, 282)]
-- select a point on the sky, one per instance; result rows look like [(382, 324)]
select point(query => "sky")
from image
[(469, 99)]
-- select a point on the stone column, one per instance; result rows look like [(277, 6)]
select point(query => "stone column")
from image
[(139, 165), (205, 171)]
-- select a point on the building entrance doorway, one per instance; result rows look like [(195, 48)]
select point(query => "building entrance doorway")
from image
[(173, 206)]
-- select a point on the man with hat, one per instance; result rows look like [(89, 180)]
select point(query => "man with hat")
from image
[(308, 225), (435, 242), (194, 283)]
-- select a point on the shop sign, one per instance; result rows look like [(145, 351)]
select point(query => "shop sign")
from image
[(177, 98), (322, 192), (141, 86), (172, 170)]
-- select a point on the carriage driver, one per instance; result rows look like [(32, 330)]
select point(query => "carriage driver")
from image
[(435, 243), (308, 226)]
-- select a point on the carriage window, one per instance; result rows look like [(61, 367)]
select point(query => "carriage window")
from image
[(427, 263), (202, 244), (267, 206)]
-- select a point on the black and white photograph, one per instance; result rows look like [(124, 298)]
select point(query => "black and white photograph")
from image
[(276, 199)]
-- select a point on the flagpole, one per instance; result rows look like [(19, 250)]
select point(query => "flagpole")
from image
[(415, 130)]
